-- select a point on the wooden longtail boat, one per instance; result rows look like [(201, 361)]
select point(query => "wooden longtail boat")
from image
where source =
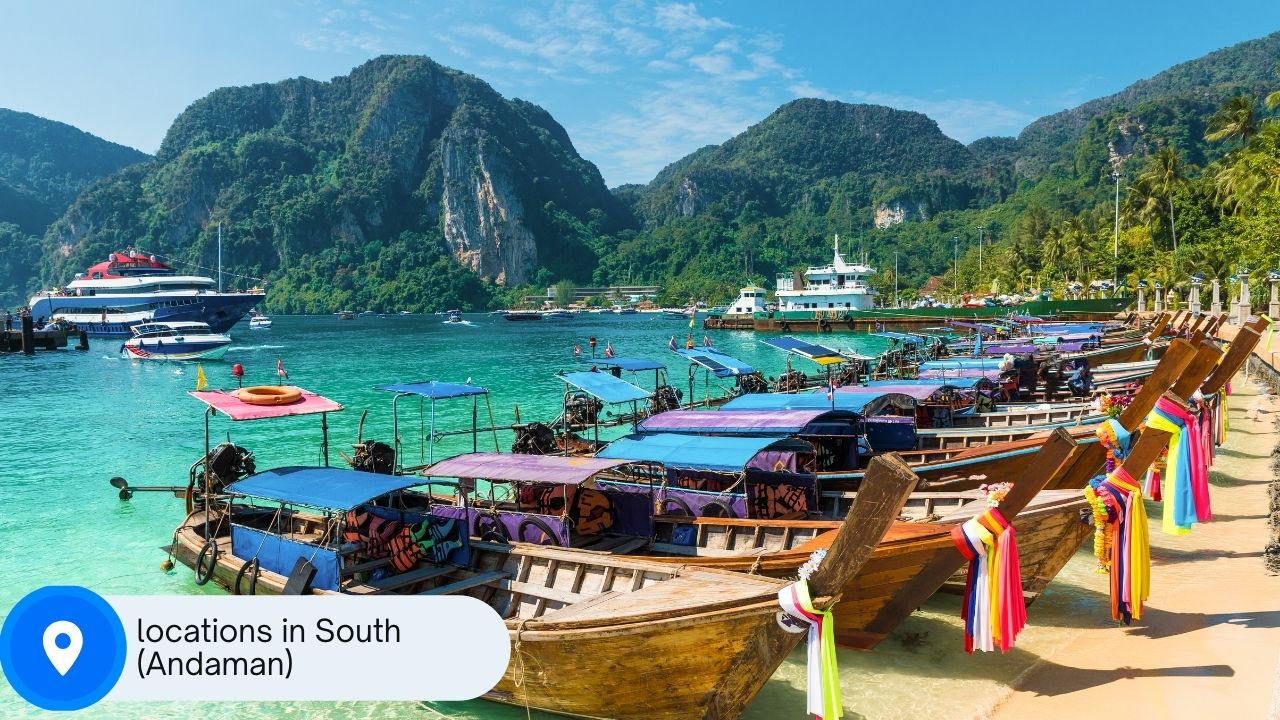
[(603, 636)]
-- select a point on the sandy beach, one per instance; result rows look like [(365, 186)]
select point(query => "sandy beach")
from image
[(1209, 640)]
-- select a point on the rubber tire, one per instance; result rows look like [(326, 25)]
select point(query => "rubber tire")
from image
[(824, 325), (538, 523), (682, 505), (728, 511), (786, 326), (497, 529), (211, 549), (253, 579)]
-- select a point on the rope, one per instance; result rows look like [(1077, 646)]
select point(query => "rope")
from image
[(518, 680), (175, 261)]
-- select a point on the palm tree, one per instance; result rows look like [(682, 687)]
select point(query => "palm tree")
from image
[(1237, 118), (1251, 171), (1212, 262), (1051, 252), (1164, 177), (1075, 239)]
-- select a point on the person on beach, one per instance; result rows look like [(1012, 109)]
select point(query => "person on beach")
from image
[(8, 321)]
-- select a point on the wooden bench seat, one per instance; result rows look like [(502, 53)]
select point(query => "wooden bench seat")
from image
[(413, 576), (467, 583)]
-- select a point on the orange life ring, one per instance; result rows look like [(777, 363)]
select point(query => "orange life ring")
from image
[(269, 395)]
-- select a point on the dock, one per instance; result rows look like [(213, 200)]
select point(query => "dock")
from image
[(28, 339)]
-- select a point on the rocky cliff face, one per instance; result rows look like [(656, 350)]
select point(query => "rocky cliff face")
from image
[(376, 173)]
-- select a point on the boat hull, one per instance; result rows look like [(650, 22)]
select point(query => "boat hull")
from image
[(116, 315), (212, 350)]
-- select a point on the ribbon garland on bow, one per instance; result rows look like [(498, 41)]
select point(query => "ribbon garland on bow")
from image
[(823, 687), (994, 611), (1186, 477), (1112, 436), (1121, 541)]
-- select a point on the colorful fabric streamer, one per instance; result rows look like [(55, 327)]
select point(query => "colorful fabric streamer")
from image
[(1112, 436), (1186, 476), (1125, 548), (994, 611), (823, 691)]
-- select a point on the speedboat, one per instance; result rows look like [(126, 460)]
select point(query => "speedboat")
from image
[(259, 321), (113, 296), (521, 315), (453, 317), (557, 315), (175, 341), (345, 315)]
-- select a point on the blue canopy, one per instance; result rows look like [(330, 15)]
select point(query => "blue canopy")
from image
[(960, 383), (633, 364), (861, 403), (434, 389), (697, 452), (717, 362), (324, 488), (910, 337), (605, 386), (818, 353)]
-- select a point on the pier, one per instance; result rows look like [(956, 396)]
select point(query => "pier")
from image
[(27, 339)]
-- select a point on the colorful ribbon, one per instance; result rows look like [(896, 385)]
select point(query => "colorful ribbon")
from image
[(823, 692), (994, 611), (1125, 550), (1112, 436), (1186, 477)]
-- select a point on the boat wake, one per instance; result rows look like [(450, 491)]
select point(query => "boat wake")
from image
[(468, 323), (253, 348)]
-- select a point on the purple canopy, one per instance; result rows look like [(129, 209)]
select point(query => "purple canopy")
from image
[(919, 392), (522, 468), (786, 422), (992, 375)]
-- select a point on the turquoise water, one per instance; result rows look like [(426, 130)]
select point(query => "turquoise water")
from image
[(71, 420)]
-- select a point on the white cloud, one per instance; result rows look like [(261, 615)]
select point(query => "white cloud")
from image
[(340, 41), (685, 18), (965, 119), (806, 89)]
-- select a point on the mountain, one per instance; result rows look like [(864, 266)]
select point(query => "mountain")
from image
[(402, 184), (1174, 103), (44, 165)]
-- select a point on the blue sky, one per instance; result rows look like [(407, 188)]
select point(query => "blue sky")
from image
[(637, 83)]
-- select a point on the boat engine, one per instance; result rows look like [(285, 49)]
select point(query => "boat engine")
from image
[(664, 398), (752, 383), (790, 381), (226, 464), (373, 456), (850, 373), (534, 439), (582, 409)]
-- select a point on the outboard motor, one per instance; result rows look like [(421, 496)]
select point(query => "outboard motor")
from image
[(226, 464), (664, 398), (373, 456), (534, 439), (790, 381), (582, 409), (752, 384)]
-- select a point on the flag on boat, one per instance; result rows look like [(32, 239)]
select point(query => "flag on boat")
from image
[(693, 318), (706, 341), (608, 349), (280, 369), (577, 351), (671, 344), (831, 390), (201, 382), (977, 345)]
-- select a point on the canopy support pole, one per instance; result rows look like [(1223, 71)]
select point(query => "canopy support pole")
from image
[(475, 406), (324, 431), (489, 404), (431, 441), (395, 429)]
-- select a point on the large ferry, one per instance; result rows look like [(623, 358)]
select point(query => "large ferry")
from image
[(837, 296), (126, 290)]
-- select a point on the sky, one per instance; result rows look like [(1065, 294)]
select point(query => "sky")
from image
[(638, 84)]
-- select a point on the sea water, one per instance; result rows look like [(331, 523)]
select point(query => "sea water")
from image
[(70, 421)]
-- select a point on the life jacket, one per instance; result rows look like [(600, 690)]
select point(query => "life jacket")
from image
[(405, 553), (373, 531), (546, 499), (772, 502)]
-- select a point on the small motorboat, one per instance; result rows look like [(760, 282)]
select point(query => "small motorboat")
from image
[(259, 321), (625, 310), (453, 317), (346, 315), (557, 315), (522, 315), (175, 341), (499, 313)]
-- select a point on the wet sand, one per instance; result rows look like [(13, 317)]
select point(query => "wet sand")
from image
[(1209, 640)]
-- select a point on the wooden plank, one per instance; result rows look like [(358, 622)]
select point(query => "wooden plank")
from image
[(467, 583), (413, 576), (1207, 356), (543, 593), (1243, 344)]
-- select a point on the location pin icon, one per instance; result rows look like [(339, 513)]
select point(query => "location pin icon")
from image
[(62, 643)]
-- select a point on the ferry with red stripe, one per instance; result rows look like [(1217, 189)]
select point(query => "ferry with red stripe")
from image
[(126, 290)]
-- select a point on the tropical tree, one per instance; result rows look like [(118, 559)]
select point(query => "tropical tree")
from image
[(1164, 176), (1075, 241), (1237, 119), (1051, 253), (1250, 172)]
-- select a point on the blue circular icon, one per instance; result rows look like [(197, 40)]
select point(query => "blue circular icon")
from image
[(62, 647)]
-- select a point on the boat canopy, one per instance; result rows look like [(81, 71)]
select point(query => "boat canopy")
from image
[(509, 467), (631, 364), (605, 387), (900, 336), (865, 405), (717, 362), (323, 488), (754, 422), (959, 363), (920, 391), (434, 389), (698, 452), (818, 353), (954, 376), (958, 383), (226, 402)]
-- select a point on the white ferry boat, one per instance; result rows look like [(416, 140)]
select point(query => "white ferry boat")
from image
[(111, 297), (751, 300), (838, 286), (175, 341)]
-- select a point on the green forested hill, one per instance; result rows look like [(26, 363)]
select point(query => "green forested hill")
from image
[(402, 185), (44, 165)]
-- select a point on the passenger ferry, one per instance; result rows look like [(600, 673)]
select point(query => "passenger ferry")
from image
[(838, 286), (175, 341), (112, 297)]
